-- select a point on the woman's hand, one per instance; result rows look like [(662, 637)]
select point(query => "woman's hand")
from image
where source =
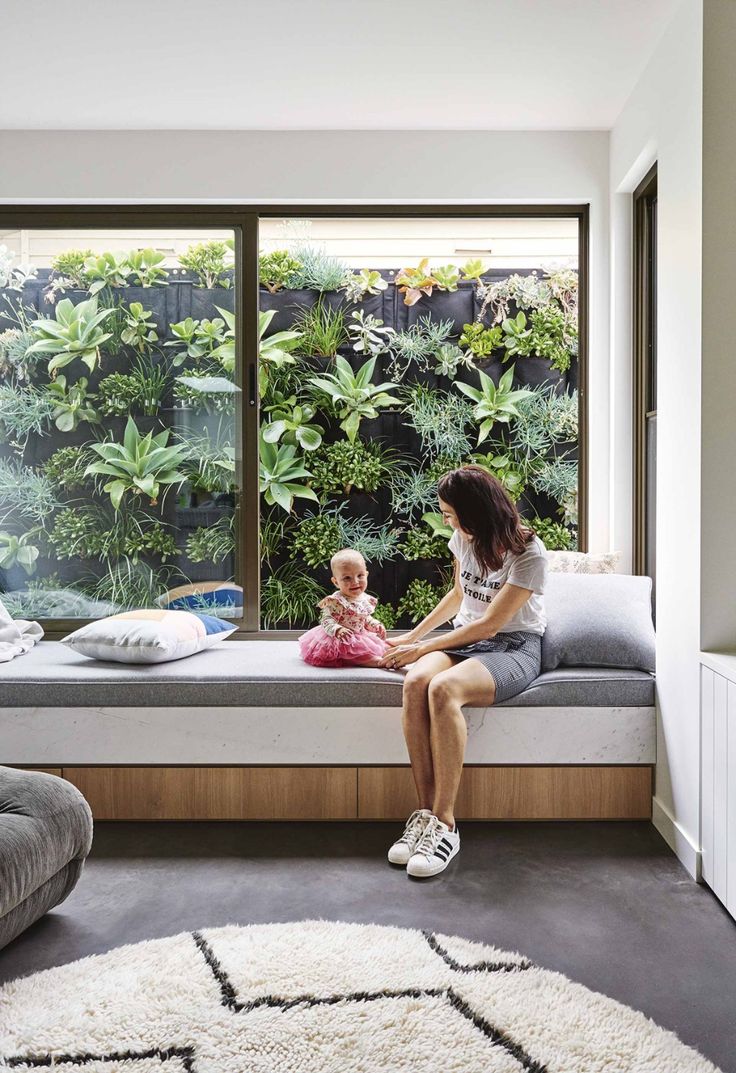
[(400, 656), (403, 639)]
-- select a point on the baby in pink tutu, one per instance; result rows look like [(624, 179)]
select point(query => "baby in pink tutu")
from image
[(347, 634)]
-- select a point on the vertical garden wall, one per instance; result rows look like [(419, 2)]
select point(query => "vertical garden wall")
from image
[(117, 433), (373, 384)]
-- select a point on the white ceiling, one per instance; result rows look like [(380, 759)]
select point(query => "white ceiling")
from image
[(323, 64)]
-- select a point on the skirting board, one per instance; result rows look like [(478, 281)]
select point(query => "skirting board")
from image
[(53, 737), (677, 839), (565, 792)]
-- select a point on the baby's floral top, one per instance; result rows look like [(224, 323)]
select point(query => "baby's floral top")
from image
[(353, 615)]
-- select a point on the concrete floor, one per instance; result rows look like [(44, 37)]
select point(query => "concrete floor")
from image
[(605, 903)]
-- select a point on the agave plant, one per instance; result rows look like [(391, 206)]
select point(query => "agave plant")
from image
[(272, 351), (77, 332), (72, 404), (281, 471), (292, 423), (493, 404), (352, 395), (140, 464)]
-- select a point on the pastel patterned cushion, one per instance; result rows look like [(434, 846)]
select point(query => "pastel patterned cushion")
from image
[(583, 562), (215, 597), (148, 636)]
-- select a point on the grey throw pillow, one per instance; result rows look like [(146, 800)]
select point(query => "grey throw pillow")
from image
[(598, 620)]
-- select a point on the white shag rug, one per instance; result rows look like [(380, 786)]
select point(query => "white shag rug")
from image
[(320, 997)]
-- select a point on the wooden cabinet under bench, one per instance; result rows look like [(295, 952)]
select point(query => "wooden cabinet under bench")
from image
[(559, 792)]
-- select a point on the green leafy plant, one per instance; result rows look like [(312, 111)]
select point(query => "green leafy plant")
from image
[(351, 395), (197, 339), (526, 292), (317, 270), (70, 265), (412, 491), (386, 614), (316, 539), (517, 337), (558, 478), (209, 262), (506, 469), (147, 268), (554, 535), (76, 332), (130, 585), (140, 329), (139, 391), (24, 493), (274, 530), (210, 462), (293, 423), (289, 596), (367, 281), (472, 271), (479, 340), (150, 540), (281, 474), (418, 346), (345, 467), (437, 525), (275, 269), (420, 598), (546, 419), (76, 535), (212, 545), (106, 270), (274, 350), (65, 468), (322, 330), (23, 411), (18, 550), (554, 336), (139, 465), (424, 544), (14, 344), (447, 278), (414, 282), (440, 418), (368, 334), (201, 391), (493, 404), (450, 358), (72, 403)]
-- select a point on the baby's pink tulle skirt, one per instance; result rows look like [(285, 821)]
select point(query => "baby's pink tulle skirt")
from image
[(321, 650)]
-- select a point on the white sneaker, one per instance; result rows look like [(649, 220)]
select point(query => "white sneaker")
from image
[(435, 849), (403, 848)]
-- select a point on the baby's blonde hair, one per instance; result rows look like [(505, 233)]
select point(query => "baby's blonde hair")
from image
[(345, 555)]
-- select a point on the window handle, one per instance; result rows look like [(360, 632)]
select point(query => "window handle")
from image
[(252, 385)]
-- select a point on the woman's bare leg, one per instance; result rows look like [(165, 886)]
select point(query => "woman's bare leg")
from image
[(467, 682), (416, 721)]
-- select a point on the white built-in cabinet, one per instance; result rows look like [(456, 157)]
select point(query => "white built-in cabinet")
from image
[(718, 775)]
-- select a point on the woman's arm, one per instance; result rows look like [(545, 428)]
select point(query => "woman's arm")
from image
[(500, 611)]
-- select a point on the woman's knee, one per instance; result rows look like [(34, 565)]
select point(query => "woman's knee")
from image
[(416, 683), (444, 689)]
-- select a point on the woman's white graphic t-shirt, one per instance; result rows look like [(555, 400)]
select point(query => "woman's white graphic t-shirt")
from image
[(528, 571)]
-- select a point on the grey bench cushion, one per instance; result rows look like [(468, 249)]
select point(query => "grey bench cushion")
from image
[(268, 674)]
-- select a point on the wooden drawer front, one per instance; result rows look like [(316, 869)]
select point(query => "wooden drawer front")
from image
[(518, 793), (169, 793)]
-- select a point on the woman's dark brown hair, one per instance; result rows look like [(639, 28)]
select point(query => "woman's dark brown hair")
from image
[(486, 512)]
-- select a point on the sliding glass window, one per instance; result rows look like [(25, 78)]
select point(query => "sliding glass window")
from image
[(120, 396)]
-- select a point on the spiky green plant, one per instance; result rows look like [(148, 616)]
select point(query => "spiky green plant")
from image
[(351, 395), (23, 411), (493, 405), (76, 332), (289, 597), (322, 330), (441, 419), (281, 475), (139, 465), (24, 492), (317, 270)]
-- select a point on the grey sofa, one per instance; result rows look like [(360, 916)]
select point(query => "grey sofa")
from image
[(45, 836)]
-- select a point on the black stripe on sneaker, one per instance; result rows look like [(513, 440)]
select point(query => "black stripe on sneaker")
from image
[(446, 844), (442, 854)]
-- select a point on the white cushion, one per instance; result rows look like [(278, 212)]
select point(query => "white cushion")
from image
[(148, 636), (583, 562)]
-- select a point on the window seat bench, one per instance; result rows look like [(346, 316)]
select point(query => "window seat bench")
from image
[(246, 730)]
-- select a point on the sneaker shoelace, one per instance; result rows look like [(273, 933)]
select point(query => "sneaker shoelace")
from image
[(431, 835), (413, 828)]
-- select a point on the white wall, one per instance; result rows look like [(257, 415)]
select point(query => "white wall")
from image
[(342, 166), (662, 121)]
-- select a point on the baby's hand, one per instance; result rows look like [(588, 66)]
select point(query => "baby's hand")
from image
[(379, 628), (343, 632)]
